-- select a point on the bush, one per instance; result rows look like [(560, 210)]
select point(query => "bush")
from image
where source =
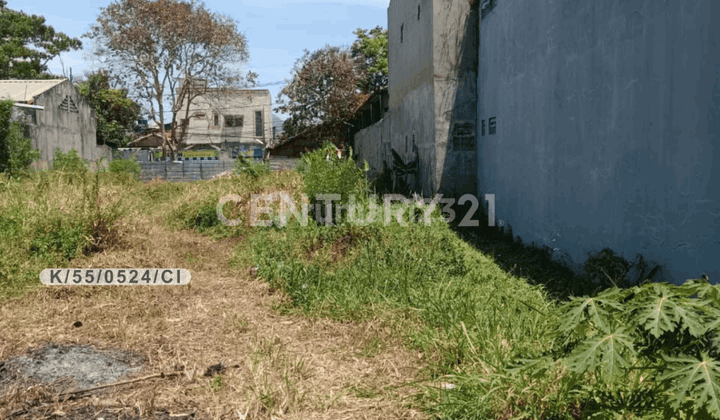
[(333, 176), (21, 152), (250, 167), (125, 166), (16, 152), (68, 162)]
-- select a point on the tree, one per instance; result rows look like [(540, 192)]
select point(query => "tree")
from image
[(322, 94), (371, 50), (116, 113), (153, 45), (28, 44)]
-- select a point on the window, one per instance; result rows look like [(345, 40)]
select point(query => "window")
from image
[(402, 27), (199, 115), (233, 121), (463, 136), (216, 119), (492, 124), (258, 124), (68, 105), (418, 12)]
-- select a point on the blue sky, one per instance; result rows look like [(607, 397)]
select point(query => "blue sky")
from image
[(277, 31)]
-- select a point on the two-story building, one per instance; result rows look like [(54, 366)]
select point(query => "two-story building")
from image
[(225, 119)]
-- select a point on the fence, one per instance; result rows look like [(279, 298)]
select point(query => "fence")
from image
[(197, 170)]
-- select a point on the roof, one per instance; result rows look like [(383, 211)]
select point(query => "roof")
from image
[(26, 90), (149, 140)]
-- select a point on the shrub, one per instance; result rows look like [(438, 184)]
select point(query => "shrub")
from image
[(16, 152), (250, 167), (68, 162), (333, 176), (125, 166)]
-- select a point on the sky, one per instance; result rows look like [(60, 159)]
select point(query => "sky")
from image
[(277, 31)]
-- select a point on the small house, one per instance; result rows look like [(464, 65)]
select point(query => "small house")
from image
[(56, 116)]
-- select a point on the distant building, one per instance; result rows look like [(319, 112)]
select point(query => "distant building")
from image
[(56, 116), (226, 119)]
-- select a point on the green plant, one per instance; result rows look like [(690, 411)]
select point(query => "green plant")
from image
[(21, 155), (647, 350), (247, 166), (125, 166), (16, 151), (69, 162), (323, 175), (216, 383)]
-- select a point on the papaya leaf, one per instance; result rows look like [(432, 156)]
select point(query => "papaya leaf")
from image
[(690, 379), (593, 310), (606, 354), (663, 311)]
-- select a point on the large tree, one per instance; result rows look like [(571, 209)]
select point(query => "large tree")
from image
[(28, 44), (116, 113), (153, 45), (322, 95), (371, 50)]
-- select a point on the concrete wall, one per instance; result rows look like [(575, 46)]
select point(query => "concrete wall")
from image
[(64, 129), (455, 37), (608, 127), (409, 129), (202, 130), (410, 62)]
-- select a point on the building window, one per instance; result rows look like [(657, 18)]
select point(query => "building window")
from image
[(216, 119), (418, 12), (68, 105), (258, 124), (463, 137), (402, 27), (233, 121), (199, 115), (492, 125)]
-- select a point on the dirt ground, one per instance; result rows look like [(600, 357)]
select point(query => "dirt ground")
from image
[(273, 366)]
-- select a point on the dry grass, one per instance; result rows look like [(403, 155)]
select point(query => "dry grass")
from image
[(285, 367)]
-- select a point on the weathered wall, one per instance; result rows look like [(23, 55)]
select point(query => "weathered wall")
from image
[(410, 62), (608, 127), (409, 129), (64, 129), (455, 33)]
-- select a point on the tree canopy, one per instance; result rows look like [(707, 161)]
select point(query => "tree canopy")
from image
[(28, 44), (322, 94), (371, 50), (116, 113), (152, 45)]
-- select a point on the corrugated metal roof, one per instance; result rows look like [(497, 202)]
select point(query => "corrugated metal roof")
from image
[(26, 90)]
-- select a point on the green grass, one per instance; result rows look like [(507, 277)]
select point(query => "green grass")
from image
[(502, 342)]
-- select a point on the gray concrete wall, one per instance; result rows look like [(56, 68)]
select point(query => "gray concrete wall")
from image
[(455, 33), (64, 129), (608, 127), (409, 129), (410, 62)]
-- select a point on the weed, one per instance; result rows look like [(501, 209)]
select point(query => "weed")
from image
[(216, 383), (249, 167)]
